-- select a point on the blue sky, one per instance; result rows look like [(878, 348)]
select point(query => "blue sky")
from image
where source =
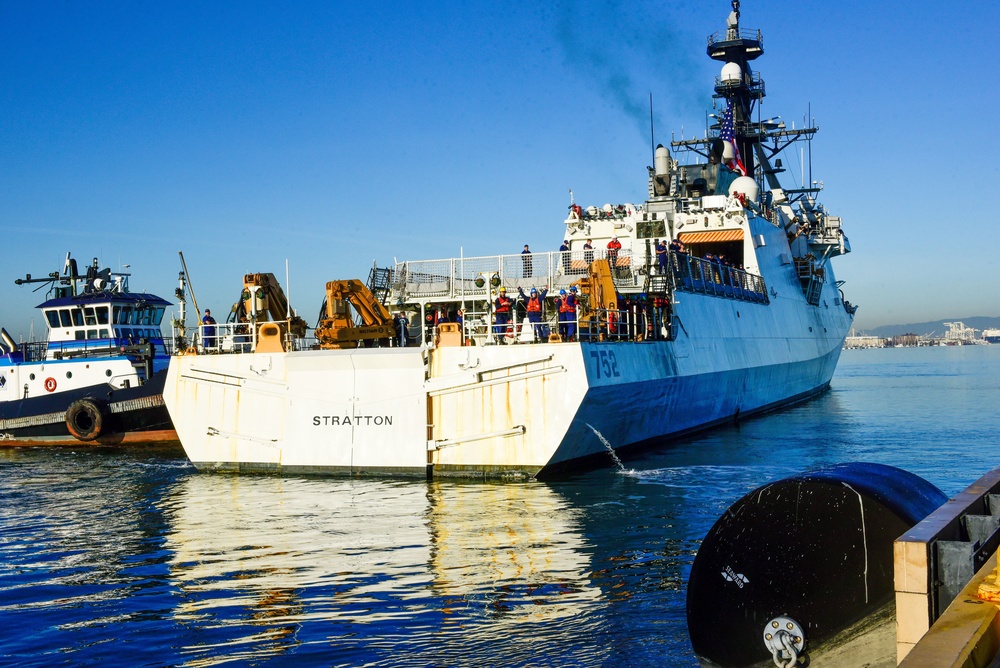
[(338, 134)]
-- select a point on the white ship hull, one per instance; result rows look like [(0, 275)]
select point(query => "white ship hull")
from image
[(508, 409)]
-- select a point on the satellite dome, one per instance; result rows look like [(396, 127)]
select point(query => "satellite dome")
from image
[(731, 72), (745, 185)]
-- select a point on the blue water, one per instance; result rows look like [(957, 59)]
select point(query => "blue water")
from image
[(117, 556)]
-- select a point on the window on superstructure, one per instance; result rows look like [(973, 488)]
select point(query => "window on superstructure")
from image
[(126, 315), (89, 316), (104, 333), (159, 316), (651, 229), (65, 318), (79, 335), (53, 318), (77, 317), (102, 315), (91, 333)]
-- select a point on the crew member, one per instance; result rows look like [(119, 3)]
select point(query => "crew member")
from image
[(533, 305), (661, 255), (402, 323), (208, 331), (503, 305), (567, 314), (564, 249), (613, 247)]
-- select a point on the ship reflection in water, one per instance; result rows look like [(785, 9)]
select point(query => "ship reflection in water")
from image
[(349, 570)]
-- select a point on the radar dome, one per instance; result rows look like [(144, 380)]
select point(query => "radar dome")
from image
[(731, 72), (745, 185)]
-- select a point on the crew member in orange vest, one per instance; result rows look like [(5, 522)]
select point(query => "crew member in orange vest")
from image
[(567, 314), (504, 305), (533, 304), (613, 247)]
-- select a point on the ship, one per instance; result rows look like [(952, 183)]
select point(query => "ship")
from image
[(991, 335), (98, 377), (713, 300)]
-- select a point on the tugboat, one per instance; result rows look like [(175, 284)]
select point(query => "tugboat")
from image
[(98, 377), (712, 301)]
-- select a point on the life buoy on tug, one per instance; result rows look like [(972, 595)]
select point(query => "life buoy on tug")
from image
[(85, 419), (50, 384)]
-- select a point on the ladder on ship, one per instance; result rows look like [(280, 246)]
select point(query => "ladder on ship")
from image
[(380, 283)]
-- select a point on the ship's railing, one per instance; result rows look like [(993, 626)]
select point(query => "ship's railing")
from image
[(40, 351), (477, 277), (635, 321), (229, 338), (711, 277), (732, 35)]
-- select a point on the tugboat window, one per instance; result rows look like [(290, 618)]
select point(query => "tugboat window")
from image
[(102, 315), (65, 319), (53, 318), (77, 317)]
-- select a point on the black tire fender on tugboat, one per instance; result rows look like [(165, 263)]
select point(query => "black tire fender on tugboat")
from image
[(85, 419)]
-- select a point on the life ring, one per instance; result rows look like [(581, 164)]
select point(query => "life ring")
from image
[(50, 384), (85, 419)]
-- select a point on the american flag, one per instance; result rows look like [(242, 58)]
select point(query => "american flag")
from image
[(728, 133)]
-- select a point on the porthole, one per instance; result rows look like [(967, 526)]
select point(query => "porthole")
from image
[(69, 374), (737, 314), (31, 377), (108, 373)]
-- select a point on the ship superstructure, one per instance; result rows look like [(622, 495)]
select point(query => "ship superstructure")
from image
[(712, 300)]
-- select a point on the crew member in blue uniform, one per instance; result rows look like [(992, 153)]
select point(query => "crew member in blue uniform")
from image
[(661, 255), (564, 249), (209, 330), (402, 323)]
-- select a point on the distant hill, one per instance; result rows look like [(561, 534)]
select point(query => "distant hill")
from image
[(933, 328)]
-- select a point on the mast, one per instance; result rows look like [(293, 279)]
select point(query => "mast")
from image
[(738, 84)]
